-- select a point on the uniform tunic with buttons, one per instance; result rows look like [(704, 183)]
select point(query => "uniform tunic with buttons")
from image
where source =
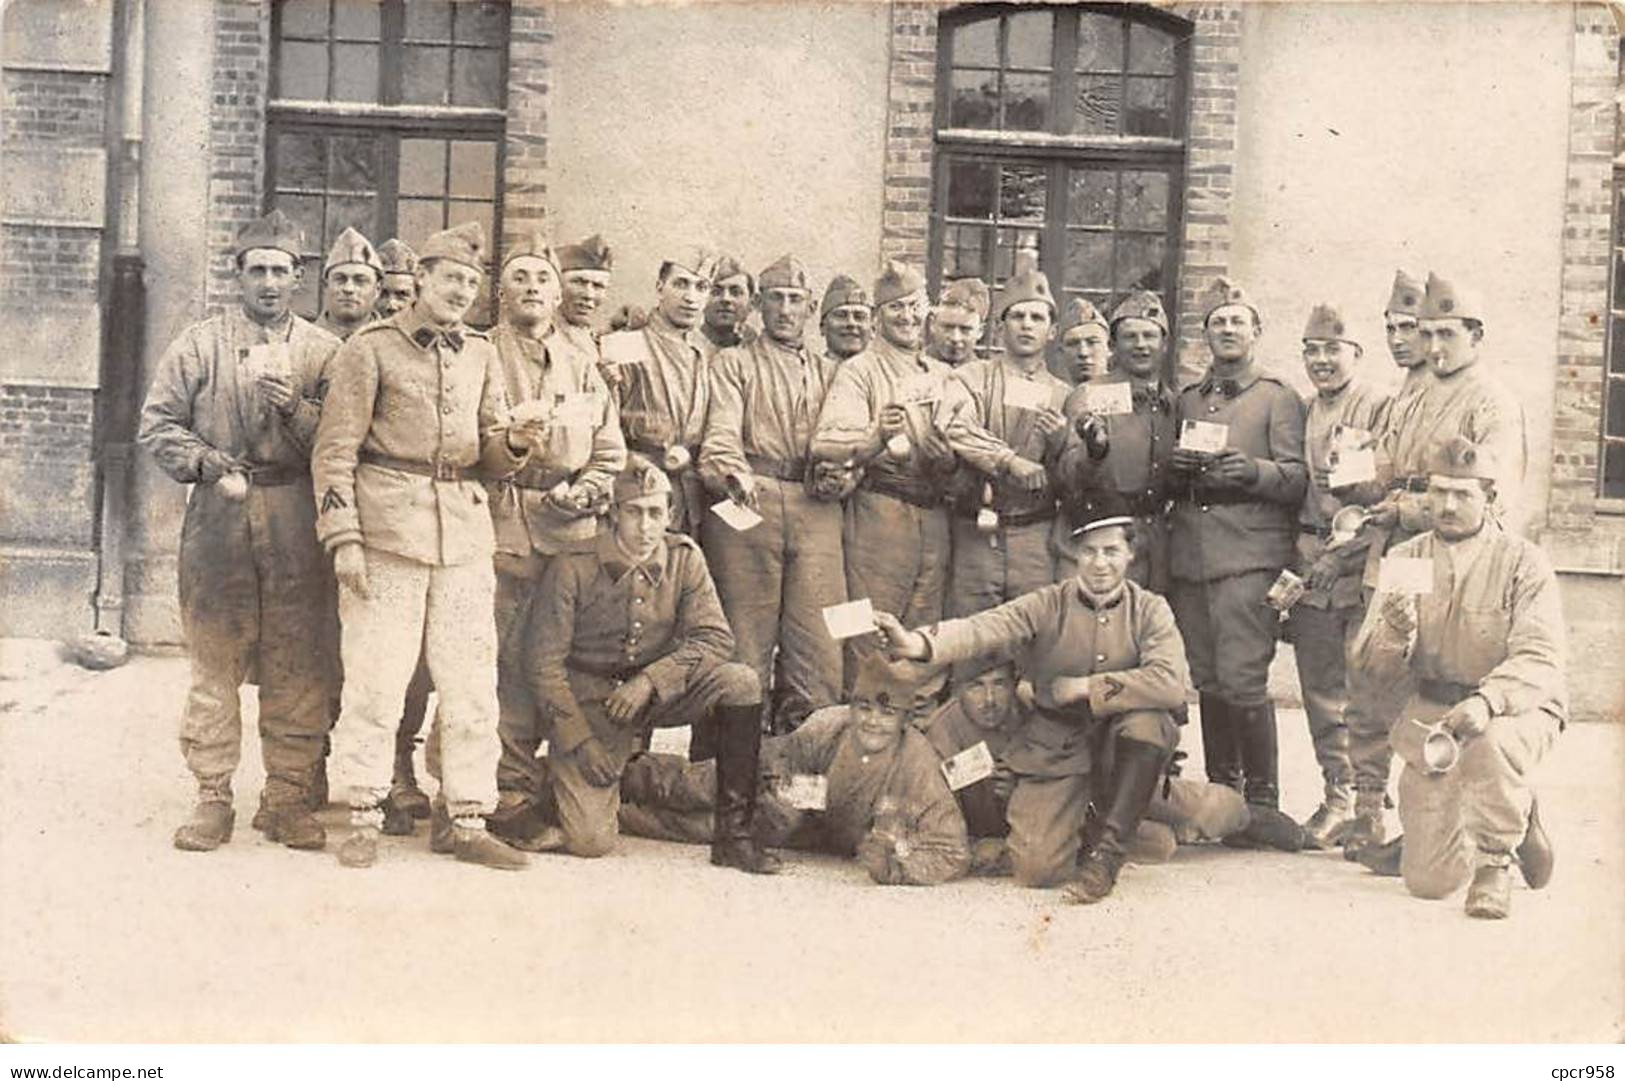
[(949, 731)]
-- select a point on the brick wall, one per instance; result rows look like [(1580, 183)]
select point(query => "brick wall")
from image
[(236, 134), (65, 108), (524, 170), (46, 423), (910, 98), (49, 263)]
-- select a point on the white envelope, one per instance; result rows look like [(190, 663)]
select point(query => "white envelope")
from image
[(1203, 435), (968, 766), (270, 359), (1108, 399), (1027, 394), (850, 619), (740, 518), (615, 349), (1354, 467), (1405, 574), (531, 409), (1347, 438), (805, 791)]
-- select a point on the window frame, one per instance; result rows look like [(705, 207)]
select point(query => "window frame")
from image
[(1057, 150)]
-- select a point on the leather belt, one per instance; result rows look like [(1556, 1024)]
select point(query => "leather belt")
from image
[(1012, 520), (1224, 499), (276, 475), (618, 672), (1444, 692), (776, 468), (437, 470), (898, 491)]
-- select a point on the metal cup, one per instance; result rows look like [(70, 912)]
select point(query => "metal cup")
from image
[(675, 458), (898, 446), (1440, 750), (987, 520), (233, 486)]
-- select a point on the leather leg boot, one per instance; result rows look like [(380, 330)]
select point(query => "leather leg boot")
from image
[(210, 824), (1534, 853), (1136, 772), (1260, 754), (739, 748), (702, 739), (1221, 755), (1367, 827)]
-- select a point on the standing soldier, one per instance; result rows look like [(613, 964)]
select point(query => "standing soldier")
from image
[(846, 318), (1004, 495), (732, 290), (1345, 415), (887, 411), (1232, 532), (414, 404), (1128, 453), (1085, 340), (631, 637), (955, 325), (350, 285), (399, 287), (775, 578), (585, 271), (232, 410), (552, 505), (1481, 659), (662, 376)]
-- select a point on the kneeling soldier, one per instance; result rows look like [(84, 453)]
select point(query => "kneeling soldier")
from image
[(630, 637)]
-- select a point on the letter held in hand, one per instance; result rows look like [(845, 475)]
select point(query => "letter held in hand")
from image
[(850, 619), (1108, 399), (738, 517), (1026, 394), (805, 791), (968, 766), (1203, 435)]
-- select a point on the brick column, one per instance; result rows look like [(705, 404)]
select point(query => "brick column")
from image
[(237, 92), (910, 97), (524, 170)]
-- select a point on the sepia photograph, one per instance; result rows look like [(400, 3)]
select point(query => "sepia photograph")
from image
[(812, 522)]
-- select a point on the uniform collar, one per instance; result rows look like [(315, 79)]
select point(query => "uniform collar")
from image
[(1111, 601), (425, 334), (1230, 386), (663, 327), (895, 355), (617, 564), (279, 331)]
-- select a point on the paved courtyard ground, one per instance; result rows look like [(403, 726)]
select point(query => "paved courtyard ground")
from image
[(109, 934)]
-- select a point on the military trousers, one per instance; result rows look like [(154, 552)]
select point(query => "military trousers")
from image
[(519, 726), (897, 555), (1229, 634), (447, 613), (994, 567), (588, 814), (1477, 810), (668, 798), (774, 580), (1321, 638), (255, 589), (1047, 813)]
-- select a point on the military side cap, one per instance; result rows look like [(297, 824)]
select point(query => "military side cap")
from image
[(843, 291), (897, 281), (967, 670), (729, 267), (396, 257), (1406, 296), (889, 683), (1460, 457), (531, 243), (352, 247), (968, 293), (1026, 286), (699, 261), (785, 273), (1326, 324), (1080, 313), (1098, 510), (640, 478), (1223, 291), (589, 254), (276, 230), (1443, 300), (1141, 305), (464, 244)]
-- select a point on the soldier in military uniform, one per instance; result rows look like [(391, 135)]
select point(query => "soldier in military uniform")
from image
[(553, 505), (885, 800), (955, 325), (232, 411), (1481, 657), (775, 578), (630, 637), (662, 376), (350, 285), (1233, 530), (1345, 415), (732, 292), (1128, 453), (414, 404), (1085, 341), (1004, 501), (585, 272), (846, 318), (399, 287)]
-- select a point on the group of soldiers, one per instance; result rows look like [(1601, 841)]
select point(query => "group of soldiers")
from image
[(962, 597)]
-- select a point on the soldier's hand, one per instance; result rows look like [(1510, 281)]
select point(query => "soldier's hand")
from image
[(741, 489), (893, 421), (1189, 462), (596, 764), (613, 375), (278, 392), (1026, 693), (215, 464), (901, 643), (1003, 782), (350, 568), (1234, 467), (934, 445), (1324, 572), (1049, 423), (1469, 718), (626, 702), (1027, 475), (1399, 612)]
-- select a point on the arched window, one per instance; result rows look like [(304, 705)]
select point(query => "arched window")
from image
[(1061, 130)]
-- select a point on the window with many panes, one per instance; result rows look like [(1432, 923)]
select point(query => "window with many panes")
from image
[(386, 115), (1060, 132)]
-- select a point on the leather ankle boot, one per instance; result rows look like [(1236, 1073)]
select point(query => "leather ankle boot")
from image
[(739, 748), (208, 828)]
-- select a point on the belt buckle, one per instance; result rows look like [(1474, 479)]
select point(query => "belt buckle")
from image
[(444, 470)]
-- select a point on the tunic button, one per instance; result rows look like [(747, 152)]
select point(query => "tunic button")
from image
[(637, 625), (1204, 507), (446, 409), (1102, 619), (1212, 409), (446, 364), (1099, 657), (637, 600)]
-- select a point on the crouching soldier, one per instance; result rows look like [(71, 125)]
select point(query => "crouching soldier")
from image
[(854, 780), (1108, 668), (629, 637)]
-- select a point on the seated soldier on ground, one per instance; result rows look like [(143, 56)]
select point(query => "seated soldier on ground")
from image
[(884, 799)]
